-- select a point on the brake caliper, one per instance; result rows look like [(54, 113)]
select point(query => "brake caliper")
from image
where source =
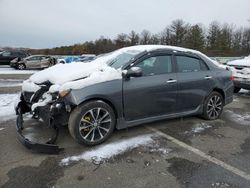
[(87, 118)]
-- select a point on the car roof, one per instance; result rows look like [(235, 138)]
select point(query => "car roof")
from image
[(159, 47)]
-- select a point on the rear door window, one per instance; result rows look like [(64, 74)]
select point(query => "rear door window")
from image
[(190, 64), (36, 58)]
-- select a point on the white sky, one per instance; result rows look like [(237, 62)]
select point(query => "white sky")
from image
[(50, 23)]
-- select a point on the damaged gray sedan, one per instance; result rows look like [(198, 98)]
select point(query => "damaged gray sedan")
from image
[(127, 87)]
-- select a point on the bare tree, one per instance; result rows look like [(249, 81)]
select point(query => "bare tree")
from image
[(133, 38), (145, 37), (165, 36), (121, 40)]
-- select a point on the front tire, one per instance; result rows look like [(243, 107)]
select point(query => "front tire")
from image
[(21, 66), (213, 106), (52, 62), (92, 123)]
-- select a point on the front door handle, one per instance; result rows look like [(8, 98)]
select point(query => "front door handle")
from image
[(170, 81), (208, 77)]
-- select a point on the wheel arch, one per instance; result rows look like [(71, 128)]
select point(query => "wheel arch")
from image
[(103, 100), (220, 91)]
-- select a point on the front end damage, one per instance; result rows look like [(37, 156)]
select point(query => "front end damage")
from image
[(52, 113)]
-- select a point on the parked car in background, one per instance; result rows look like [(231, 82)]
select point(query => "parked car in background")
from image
[(241, 73), (87, 57), (7, 56), (34, 62), (127, 87), (68, 59), (82, 58), (225, 60)]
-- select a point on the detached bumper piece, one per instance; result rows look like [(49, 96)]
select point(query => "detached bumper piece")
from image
[(49, 147)]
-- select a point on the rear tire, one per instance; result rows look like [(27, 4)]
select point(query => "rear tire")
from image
[(213, 106), (92, 123), (237, 89)]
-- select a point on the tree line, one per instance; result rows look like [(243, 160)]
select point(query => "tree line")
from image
[(215, 40)]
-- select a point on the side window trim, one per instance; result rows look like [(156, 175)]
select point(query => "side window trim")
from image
[(205, 64)]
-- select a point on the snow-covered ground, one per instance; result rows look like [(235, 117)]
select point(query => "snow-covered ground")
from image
[(200, 127), (10, 82), (107, 151), (244, 91), (9, 70), (7, 102)]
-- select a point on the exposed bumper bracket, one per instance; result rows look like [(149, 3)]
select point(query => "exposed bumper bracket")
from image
[(49, 147)]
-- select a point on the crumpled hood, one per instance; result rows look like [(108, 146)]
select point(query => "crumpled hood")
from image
[(62, 73), (76, 75)]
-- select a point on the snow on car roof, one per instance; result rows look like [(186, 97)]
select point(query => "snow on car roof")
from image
[(155, 47), (63, 73)]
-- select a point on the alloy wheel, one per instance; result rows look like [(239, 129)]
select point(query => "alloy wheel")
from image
[(214, 106), (95, 124), (21, 67)]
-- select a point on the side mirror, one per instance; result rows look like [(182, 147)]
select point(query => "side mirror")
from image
[(133, 72)]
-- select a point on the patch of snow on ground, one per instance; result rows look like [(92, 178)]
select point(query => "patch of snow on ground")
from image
[(235, 99), (243, 119), (244, 91), (1, 129), (220, 185), (200, 127), (163, 151), (5, 70), (7, 102), (109, 150)]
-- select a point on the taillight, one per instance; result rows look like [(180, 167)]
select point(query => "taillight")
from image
[(231, 77)]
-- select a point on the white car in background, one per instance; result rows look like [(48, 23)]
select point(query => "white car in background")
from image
[(241, 73)]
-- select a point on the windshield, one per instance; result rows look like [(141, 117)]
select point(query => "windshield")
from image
[(120, 59)]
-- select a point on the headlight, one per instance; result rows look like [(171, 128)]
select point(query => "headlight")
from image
[(63, 93)]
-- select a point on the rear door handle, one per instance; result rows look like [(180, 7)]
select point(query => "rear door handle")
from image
[(208, 77), (170, 81)]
